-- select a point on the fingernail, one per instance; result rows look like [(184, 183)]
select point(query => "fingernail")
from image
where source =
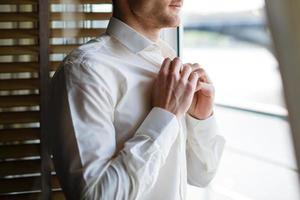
[(176, 58)]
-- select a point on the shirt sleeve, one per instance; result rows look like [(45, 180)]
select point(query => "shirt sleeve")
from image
[(204, 150), (84, 141)]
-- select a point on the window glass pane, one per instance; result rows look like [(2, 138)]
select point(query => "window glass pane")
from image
[(231, 39)]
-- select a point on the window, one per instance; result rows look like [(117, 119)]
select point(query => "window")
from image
[(231, 40)]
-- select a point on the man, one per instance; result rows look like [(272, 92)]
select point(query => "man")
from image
[(128, 119)]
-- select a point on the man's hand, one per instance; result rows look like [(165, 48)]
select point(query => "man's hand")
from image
[(203, 100), (174, 90)]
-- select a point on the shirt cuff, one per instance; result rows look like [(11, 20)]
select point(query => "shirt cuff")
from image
[(162, 127), (201, 129)]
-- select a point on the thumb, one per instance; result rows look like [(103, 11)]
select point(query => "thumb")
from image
[(206, 89)]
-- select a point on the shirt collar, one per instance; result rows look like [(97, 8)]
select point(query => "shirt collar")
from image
[(129, 37)]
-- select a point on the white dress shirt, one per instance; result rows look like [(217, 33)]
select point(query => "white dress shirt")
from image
[(107, 141)]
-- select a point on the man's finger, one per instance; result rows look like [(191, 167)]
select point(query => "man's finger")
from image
[(186, 71), (165, 66), (207, 89), (193, 78), (201, 72), (185, 64), (176, 66)]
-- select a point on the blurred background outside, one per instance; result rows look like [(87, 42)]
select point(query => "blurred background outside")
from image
[(231, 40)]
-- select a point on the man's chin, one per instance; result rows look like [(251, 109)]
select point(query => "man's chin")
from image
[(174, 22)]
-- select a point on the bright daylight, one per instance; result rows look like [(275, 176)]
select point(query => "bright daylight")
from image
[(231, 39)]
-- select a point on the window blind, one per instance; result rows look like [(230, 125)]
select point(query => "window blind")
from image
[(33, 44)]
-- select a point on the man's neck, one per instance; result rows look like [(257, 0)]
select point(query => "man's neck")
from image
[(149, 32)]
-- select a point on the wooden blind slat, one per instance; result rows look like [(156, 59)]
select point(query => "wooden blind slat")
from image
[(20, 184), (55, 1), (57, 195), (14, 67), (19, 151), (24, 184), (18, 33), (20, 167), (62, 48), (19, 134), (19, 100), (80, 1), (19, 84), (68, 32), (20, 16), (18, 50), (19, 117), (28, 196), (74, 16), (18, 2), (8, 2), (91, 32)]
